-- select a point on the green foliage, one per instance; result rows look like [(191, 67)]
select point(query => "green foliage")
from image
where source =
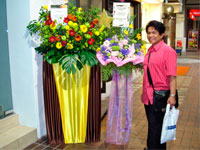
[(88, 58), (126, 69)]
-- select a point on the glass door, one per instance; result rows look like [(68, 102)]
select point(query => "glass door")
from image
[(6, 105)]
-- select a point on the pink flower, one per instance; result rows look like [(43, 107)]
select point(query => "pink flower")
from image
[(125, 42)]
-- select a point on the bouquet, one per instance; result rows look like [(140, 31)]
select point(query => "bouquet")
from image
[(122, 52), (73, 42)]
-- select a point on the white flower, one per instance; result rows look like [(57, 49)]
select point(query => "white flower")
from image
[(115, 53), (106, 43)]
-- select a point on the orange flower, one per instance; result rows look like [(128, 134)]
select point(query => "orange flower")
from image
[(78, 38), (74, 18), (95, 21), (57, 39), (69, 16)]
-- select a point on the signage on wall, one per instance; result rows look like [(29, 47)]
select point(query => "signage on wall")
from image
[(58, 13), (121, 14)]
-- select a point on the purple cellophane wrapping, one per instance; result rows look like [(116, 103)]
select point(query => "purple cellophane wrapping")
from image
[(120, 109)]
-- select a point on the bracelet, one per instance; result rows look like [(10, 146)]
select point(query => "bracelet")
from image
[(173, 95)]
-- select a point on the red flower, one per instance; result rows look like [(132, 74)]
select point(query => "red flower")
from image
[(48, 17), (66, 20), (74, 18), (92, 24), (90, 33), (63, 43), (72, 32), (52, 39), (69, 16), (91, 41), (48, 22)]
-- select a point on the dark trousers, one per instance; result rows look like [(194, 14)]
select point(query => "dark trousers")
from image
[(155, 120)]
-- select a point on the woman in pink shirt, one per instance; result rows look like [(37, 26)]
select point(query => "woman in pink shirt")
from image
[(161, 61)]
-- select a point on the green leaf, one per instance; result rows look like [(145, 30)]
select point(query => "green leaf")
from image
[(70, 63), (51, 56), (88, 57), (116, 48)]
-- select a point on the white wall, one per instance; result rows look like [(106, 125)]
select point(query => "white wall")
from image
[(150, 11), (179, 30), (25, 66)]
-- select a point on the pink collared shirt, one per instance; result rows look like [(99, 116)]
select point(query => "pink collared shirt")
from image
[(162, 65)]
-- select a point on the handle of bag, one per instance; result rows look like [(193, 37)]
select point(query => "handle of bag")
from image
[(168, 108)]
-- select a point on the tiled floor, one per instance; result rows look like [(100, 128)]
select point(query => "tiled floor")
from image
[(188, 127)]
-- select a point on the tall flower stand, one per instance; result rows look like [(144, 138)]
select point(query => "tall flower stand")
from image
[(120, 109)]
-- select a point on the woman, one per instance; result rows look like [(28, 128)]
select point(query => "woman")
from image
[(161, 61)]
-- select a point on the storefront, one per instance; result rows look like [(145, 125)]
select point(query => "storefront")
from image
[(192, 25)]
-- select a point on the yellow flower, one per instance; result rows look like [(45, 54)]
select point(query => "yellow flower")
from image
[(53, 26), (98, 49), (70, 23), (79, 9), (58, 45), (138, 36), (70, 46), (143, 47), (45, 7), (125, 32), (67, 27), (96, 33), (75, 25), (83, 28), (131, 26)]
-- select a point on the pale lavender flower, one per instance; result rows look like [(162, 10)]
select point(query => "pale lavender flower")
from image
[(132, 50), (115, 38)]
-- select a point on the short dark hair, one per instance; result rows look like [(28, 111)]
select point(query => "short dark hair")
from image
[(159, 26)]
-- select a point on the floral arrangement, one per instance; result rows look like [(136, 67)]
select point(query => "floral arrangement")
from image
[(72, 43), (123, 51)]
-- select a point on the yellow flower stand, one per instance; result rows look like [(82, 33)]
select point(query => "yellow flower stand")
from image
[(73, 90)]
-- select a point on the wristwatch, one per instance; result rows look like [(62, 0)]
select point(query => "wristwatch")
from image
[(173, 95)]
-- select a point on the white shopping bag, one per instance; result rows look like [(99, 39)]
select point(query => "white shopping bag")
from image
[(169, 124)]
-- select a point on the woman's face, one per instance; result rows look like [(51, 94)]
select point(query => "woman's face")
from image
[(153, 36)]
